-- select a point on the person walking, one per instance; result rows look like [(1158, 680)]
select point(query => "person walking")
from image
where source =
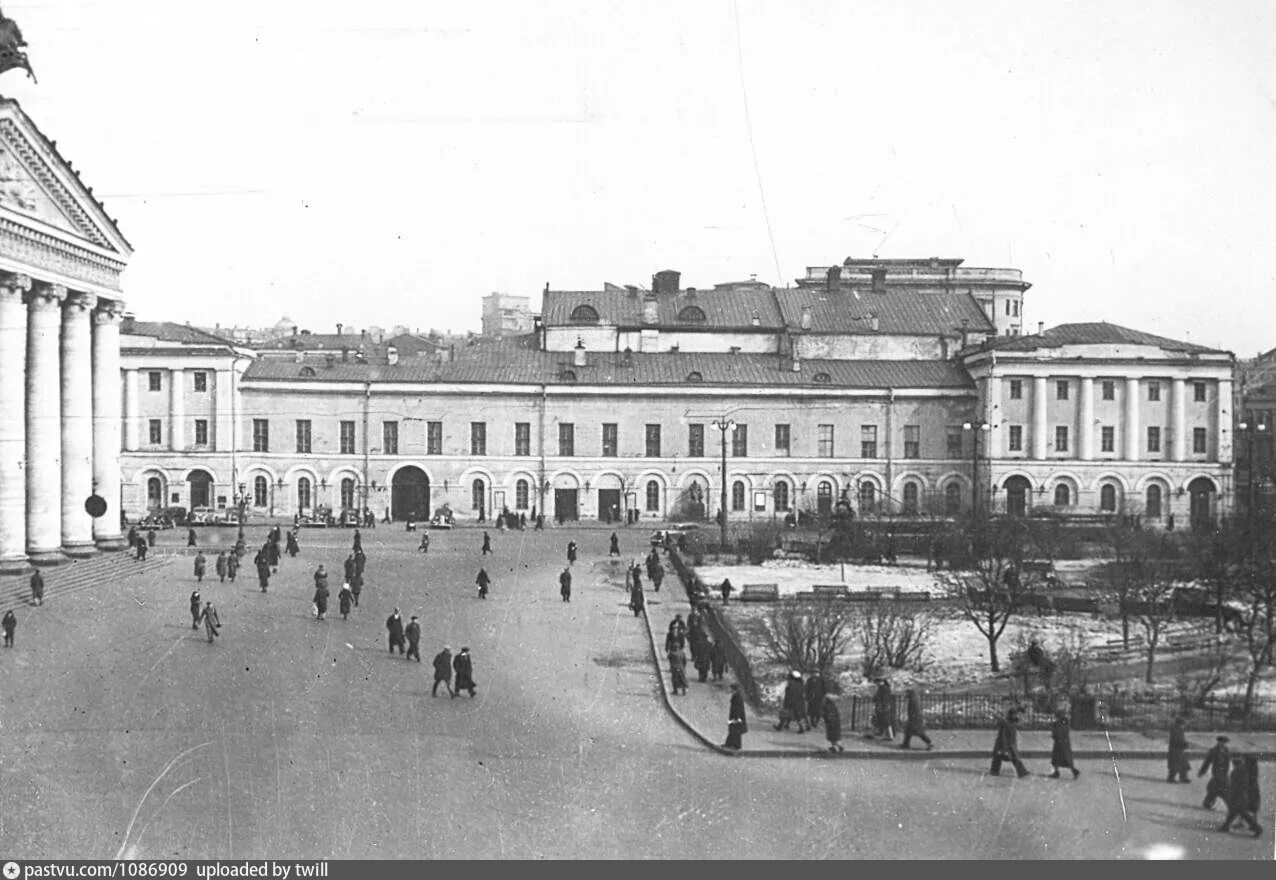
[(1243, 796), (1217, 760), (263, 570), (150, 537), (464, 668), (37, 588), (678, 671), (190, 538), (356, 587), (424, 546), (793, 706), (219, 566), (232, 566), (413, 632), (443, 672), (675, 638), (196, 609), (1177, 763), (1061, 751), (726, 589), (565, 584), (737, 726), (637, 601), (483, 582), (201, 564), (344, 599), (832, 723), (394, 624), (657, 577), (1006, 746), (613, 548), (718, 659), (141, 548), (571, 552), (211, 621), (884, 710), (349, 566), (356, 545), (487, 543), (293, 548), (701, 663), (914, 721), (360, 562), (10, 623), (321, 596), (815, 691)]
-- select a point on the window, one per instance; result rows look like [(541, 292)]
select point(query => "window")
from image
[(740, 441), (868, 441), (1152, 508), (1062, 495), (153, 378), (867, 497), (303, 435), (952, 499), (261, 491), (156, 431), (825, 441), (520, 495), (347, 492), (1061, 389), (1016, 438), (910, 498), (1198, 392), (1107, 439), (201, 381), (1061, 438), (1107, 498), (346, 438), (653, 496), (737, 495), (522, 438), (821, 378), (692, 315), (1154, 439), (653, 441), (954, 441), (433, 438), (694, 376), (824, 498), (782, 437), (781, 495), (478, 438), (610, 439), (477, 493), (1016, 389), (695, 441), (201, 432), (303, 493), (912, 441), (390, 438), (1109, 389), (1154, 391), (261, 435), (584, 315), (1015, 312), (1198, 440)]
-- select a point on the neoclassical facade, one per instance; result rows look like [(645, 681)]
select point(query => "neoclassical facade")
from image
[(61, 258)]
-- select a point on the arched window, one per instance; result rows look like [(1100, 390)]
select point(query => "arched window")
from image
[(653, 496), (261, 491), (303, 493), (824, 497), (692, 315), (584, 315), (821, 378), (694, 376), (307, 372), (952, 499), (737, 495), (154, 493), (781, 495), (520, 495), (347, 492), (567, 376), (1152, 508), (477, 494), (1062, 495), (868, 497), (1107, 498), (910, 498)]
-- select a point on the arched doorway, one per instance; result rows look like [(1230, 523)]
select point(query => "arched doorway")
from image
[(201, 488), (1018, 490), (824, 498), (1201, 509), (410, 494), (155, 494)]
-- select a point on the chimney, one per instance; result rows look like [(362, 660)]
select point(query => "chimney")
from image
[(873, 323), (757, 319), (579, 359), (691, 293), (965, 332), (797, 364), (345, 354), (650, 309), (331, 360), (879, 281), (628, 359), (666, 281), (339, 328), (391, 355), (833, 278), (806, 317), (1041, 327)]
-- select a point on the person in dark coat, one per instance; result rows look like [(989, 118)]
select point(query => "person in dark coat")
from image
[(718, 659), (1006, 745), (321, 596), (413, 632), (653, 564), (424, 546), (349, 567), (814, 690), (201, 566), (232, 566), (487, 543), (190, 538), (657, 578), (211, 621), (793, 708), (613, 548), (357, 544), (140, 547), (1061, 751), (196, 608), (701, 662), (726, 589), (360, 562), (263, 570), (914, 721), (884, 710), (571, 552), (1217, 760), (637, 600), (1243, 796), (356, 587), (293, 547), (37, 588), (10, 623), (219, 566), (132, 536), (737, 726), (150, 537), (443, 672), (674, 638), (464, 668), (635, 575), (483, 582), (394, 625), (565, 584), (344, 599), (678, 671), (272, 555), (696, 639), (1178, 765), (832, 723)]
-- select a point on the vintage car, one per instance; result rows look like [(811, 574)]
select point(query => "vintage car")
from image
[(164, 518), (202, 516), (318, 517), (442, 518), (349, 517)]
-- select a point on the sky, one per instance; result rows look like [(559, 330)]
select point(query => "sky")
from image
[(385, 162)]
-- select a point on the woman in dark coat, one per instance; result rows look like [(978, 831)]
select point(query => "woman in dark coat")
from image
[(674, 639), (815, 691), (356, 587), (678, 670), (1178, 765), (737, 726), (232, 566), (464, 668), (1242, 794), (483, 582), (637, 601), (614, 545), (220, 566), (832, 723), (571, 552), (344, 598), (10, 623), (1061, 753), (794, 706), (914, 721), (884, 710), (718, 659), (293, 547)]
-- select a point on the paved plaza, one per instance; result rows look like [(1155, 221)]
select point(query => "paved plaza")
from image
[(126, 733)]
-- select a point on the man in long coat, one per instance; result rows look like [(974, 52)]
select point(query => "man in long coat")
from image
[(1243, 798), (815, 690), (1061, 751), (571, 552), (37, 588), (413, 632), (195, 609), (487, 544), (232, 566), (464, 668), (344, 599), (211, 621), (220, 566), (884, 710), (483, 582), (678, 670), (914, 720), (565, 584), (394, 624), (10, 623), (832, 723), (1178, 765), (718, 659), (613, 548), (793, 708), (637, 601), (321, 596), (737, 725), (443, 672), (349, 568), (1217, 761), (1006, 745)]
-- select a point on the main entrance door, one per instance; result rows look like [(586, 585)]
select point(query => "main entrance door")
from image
[(201, 488), (565, 505), (410, 494), (609, 505), (1018, 491)]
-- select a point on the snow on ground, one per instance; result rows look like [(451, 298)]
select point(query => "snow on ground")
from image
[(794, 576)]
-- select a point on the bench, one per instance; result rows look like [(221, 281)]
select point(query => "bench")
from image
[(760, 593), (830, 591)]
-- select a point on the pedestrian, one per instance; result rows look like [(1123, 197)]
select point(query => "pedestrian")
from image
[(832, 723), (37, 588), (220, 566), (344, 599), (356, 546), (349, 565), (424, 546), (394, 623), (1217, 760), (150, 537), (637, 601), (1243, 796), (10, 623), (675, 637), (1178, 766), (540, 523), (409, 525), (718, 659), (487, 543), (793, 706), (702, 663), (211, 621), (356, 587), (571, 552), (201, 563), (1061, 751), (272, 555), (1006, 745), (914, 721), (443, 672), (293, 547), (232, 566), (522, 522), (141, 548), (196, 609), (565, 584), (464, 668), (360, 562), (814, 691), (635, 571), (190, 538), (884, 710), (614, 547), (725, 589), (413, 632), (321, 596), (132, 536), (678, 670), (737, 726), (657, 578), (483, 582)]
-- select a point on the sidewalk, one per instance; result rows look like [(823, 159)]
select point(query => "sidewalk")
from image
[(703, 712)]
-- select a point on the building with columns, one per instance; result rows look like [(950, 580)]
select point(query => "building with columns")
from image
[(61, 258)]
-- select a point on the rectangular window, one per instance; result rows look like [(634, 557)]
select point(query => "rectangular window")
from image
[(1198, 392), (522, 438), (1154, 439), (390, 438), (1198, 440), (1061, 438), (201, 380), (261, 435), (303, 435), (782, 439), (695, 441), (912, 441), (201, 432), (1016, 389), (566, 439), (1109, 390), (1061, 389), (156, 432), (868, 441), (653, 441), (825, 441), (433, 438), (954, 441), (478, 438), (347, 438), (611, 434), (154, 380), (1016, 438), (1107, 439), (1154, 391), (740, 441)]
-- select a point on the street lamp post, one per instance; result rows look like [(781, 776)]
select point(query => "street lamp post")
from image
[(242, 502), (726, 426), (976, 428)]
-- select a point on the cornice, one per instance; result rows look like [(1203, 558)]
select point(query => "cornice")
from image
[(43, 251), (39, 169)]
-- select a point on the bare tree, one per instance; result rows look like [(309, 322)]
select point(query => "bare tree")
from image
[(894, 637), (808, 636), (1254, 585), (1144, 576), (1195, 685)]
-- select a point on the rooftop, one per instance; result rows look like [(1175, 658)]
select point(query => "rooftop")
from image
[(1095, 333)]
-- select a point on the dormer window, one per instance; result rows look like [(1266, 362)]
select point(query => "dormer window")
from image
[(821, 378), (307, 372), (584, 315), (694, 376), (692, 315), (567, 376)]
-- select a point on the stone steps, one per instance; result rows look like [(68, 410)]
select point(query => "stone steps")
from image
[(75, 576)]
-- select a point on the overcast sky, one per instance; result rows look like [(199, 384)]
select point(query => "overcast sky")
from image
[(391, 162)]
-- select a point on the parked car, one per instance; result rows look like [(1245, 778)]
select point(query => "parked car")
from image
[(202, 516), (672, 532), (442, 518), (349, 517), (164, 518), (320, 516)]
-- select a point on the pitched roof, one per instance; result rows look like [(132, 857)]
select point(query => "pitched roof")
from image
[(723, 307), (899, 310), (168, 331), (1094, 333)]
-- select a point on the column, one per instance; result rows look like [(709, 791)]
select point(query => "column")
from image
[(1085, 426), (1039, 417), (1223, 418), (13, 428), (1178, 412), (223, 412), (44, 423), (1131, 426), (106, 421), (77, 423), (132, 413), (176, 410)]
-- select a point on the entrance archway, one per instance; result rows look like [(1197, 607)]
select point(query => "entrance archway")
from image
[(201, 483), (1018, 491), (410, 494), (156, 497), (1201, 508)]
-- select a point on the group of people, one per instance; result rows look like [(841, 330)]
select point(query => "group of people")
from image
[(708, 655), (1237, 788)]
